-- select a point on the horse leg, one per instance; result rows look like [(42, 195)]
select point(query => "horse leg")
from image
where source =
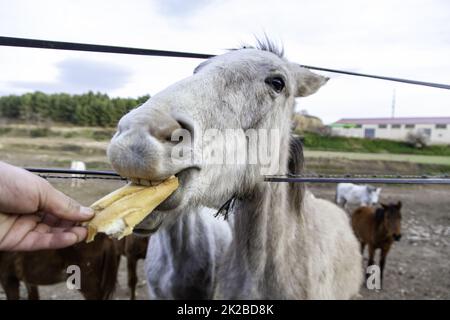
[(371, 258), (132, 276), (371, 255), (344, 204), (33, 291), (363, 245), (11, 287), (384, 251)]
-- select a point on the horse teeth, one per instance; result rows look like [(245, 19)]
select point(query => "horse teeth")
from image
[(135, 180), (145, 182)]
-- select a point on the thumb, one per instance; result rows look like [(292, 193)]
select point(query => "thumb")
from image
[(57, 203)]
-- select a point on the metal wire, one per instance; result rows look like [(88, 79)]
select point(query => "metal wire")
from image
[(48, 176), (409, 81), (445, 179), (48, 173), (59, 45), (48, 44), (70, 171)]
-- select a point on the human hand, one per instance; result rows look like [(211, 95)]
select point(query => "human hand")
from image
[(34, 215)]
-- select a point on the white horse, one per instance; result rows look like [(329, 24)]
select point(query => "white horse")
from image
[(77, 165), (353, 194), (285, 245)]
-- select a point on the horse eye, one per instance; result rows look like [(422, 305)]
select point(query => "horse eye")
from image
[(276, 83)]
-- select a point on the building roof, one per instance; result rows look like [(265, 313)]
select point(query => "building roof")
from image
[(430, 120)]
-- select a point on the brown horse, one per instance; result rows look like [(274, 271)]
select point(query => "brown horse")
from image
[(98, 262), (378, 228), (133, 248)]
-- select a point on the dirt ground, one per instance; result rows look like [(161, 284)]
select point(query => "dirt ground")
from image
[(418, 266)]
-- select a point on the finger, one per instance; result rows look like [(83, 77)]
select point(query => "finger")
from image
[(66, 224), (18, 231), (42, 228), (81, 233), (61, 229), (53, 221), (62, 206), (42, 241), (54, 238), (50, 219)]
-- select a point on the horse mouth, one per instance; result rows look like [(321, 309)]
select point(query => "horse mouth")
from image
[(146, 232), (185, 178)]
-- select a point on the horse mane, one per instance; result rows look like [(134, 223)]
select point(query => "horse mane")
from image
[(263, 44), (379, 215), (295, 167), (269, 45)]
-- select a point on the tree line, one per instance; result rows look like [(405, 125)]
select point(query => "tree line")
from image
[(88, 109)]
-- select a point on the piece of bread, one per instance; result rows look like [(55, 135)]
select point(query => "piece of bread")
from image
[(119, 212)]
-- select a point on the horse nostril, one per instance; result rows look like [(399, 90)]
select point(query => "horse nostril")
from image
[(164, 129), (397, 237), (186, 125)]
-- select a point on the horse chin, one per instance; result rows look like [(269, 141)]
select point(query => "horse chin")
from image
[(150, 225)]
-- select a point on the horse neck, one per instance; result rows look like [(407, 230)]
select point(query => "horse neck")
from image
[(265, 227), (178, 238), (381, 231)]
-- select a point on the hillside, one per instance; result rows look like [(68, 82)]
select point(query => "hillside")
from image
[(313, 141), (89, 109)]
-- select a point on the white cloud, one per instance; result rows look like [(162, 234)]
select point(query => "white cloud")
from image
[(397, 38)]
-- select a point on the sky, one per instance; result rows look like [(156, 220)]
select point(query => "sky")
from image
[(406, 39)]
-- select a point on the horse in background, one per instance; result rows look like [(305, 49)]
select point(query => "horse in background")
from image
[(353, 194), (76, 180), (97, 261), (378, 228), (134, 248)]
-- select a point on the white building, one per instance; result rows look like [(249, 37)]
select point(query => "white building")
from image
[(437, 129)]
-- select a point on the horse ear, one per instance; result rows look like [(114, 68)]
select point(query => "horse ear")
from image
[(307, 81), (399, 205), (385, 206), (378, 191)]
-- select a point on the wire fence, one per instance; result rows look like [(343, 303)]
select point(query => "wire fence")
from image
[(50, 173), (110, 175), (59, 45)]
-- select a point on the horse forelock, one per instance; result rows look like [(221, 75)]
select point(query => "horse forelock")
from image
[(263, 44)]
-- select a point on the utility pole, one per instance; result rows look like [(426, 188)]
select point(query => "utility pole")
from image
[(393, 104)]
